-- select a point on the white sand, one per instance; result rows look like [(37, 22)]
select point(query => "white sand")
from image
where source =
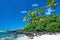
[(47, 37), (43, 37)]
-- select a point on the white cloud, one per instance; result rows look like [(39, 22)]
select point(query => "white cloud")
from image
[(22, 12), (23, 20), (48, 13), (35, 5), (49, 10)]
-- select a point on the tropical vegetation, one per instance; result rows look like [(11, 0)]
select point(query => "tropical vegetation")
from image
[(38, 21)]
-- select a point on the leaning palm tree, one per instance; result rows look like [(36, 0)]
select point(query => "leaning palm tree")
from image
[(39, 10), (51, 3)]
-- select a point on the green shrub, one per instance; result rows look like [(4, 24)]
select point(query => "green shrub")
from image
[(52, 27)]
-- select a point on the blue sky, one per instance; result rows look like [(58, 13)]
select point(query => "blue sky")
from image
[(13, 11)]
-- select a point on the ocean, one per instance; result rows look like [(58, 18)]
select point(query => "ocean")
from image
[(10, 36)]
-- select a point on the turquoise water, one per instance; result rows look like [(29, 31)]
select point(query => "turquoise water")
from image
[(10, 36)]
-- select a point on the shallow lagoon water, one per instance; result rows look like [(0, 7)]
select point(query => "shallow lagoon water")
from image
[(10, 36)]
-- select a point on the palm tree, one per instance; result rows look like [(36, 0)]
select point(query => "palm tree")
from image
[(25, 19), (51, 3), (29, 13)]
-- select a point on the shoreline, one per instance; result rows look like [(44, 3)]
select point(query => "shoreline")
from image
[(38, 35), (32, 34)]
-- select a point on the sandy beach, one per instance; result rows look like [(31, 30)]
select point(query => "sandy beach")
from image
[(47, 37), (43, 37)]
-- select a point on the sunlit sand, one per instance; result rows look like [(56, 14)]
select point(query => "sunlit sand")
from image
[(43, 37)]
